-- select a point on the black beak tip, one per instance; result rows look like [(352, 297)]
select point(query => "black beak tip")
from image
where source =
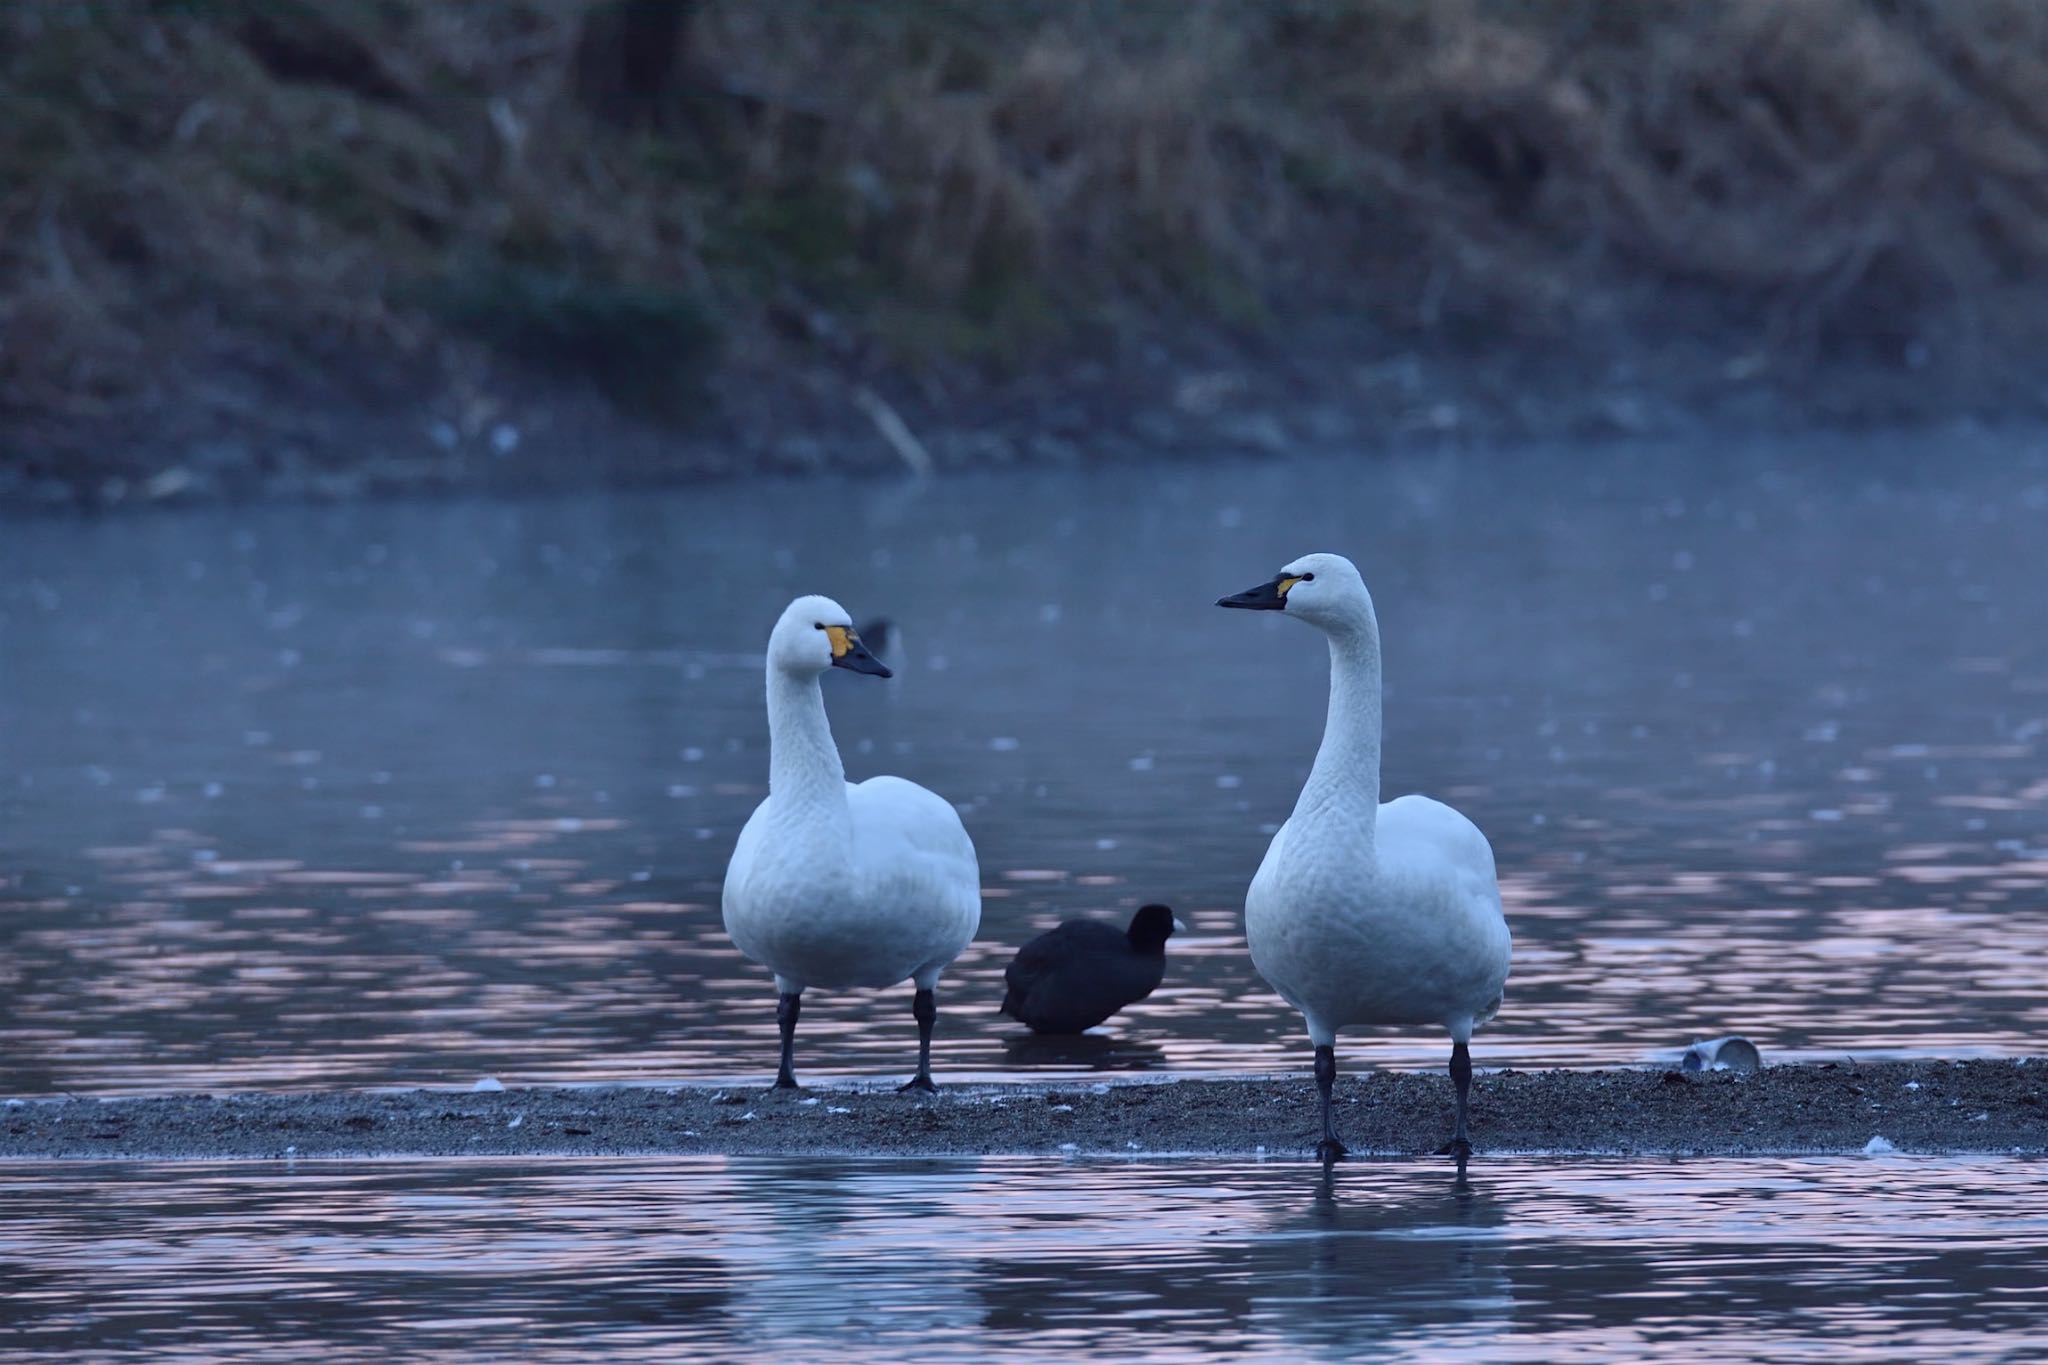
[(1265, 597)]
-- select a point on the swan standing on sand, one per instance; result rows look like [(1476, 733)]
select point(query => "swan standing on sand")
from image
[(840, 884), (1362, 913)]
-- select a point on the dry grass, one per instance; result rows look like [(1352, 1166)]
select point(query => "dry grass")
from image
[(266, 184)]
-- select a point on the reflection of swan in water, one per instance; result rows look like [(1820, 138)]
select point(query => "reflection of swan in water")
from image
[(1095, 1051), (1253, 1258), (830, 1252), (1383, 1252)]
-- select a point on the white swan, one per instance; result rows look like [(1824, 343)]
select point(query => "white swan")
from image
[(1362, 913), (840, 884)]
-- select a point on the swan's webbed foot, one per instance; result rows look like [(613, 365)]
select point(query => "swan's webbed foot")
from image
[(921, 1081), (784, 1080), (1330, 1150)]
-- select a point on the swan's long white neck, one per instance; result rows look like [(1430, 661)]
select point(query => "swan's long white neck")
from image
[(803, 762), (1345, 781)]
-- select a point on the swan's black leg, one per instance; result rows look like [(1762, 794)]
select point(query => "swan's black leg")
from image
[(1329, 1149), (927, 1011), (787, 1008), (1460, 1145)]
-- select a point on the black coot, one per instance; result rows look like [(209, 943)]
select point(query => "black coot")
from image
[(1074, 977)]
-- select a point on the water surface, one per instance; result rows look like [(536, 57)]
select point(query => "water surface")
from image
[(419, 792), (1919, 1258)]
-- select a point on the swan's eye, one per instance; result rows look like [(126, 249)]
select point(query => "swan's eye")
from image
[(817, 625), (1308, 578)]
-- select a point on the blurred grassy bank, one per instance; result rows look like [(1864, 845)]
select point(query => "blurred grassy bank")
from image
[(250, 243)]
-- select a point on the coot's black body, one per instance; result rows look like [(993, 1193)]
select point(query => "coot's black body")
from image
[(1074, 977)]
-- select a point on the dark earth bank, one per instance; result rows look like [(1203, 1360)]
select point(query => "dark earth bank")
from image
[(1972, 1106)]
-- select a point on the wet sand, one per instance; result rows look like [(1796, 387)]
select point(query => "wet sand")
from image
[(1976, 1106)]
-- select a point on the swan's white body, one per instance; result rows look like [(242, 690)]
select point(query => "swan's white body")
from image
[(1388, 919), (841, 884), (1364, 914), (877, 887)]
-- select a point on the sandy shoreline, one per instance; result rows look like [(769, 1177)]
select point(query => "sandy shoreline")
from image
[(1997, 1106)]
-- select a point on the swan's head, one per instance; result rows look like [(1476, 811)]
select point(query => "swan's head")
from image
[(815, 634), (1323, 590)]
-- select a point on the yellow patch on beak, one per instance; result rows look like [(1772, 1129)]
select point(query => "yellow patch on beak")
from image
[(1287, 583), (842, 638)]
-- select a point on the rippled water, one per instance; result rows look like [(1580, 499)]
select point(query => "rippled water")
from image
[(421, 792), (1917, 1258)]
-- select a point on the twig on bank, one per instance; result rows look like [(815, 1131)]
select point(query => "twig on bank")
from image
[(900, 437)]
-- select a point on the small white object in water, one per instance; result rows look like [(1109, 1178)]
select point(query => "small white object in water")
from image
[(1057, 1109), (1070, 1147), (488, 1085), (1878, 1146), (812, 1100), (749, 1116), (1102, 1089), (1912, 1085), (836, 1109), (515, 1120)]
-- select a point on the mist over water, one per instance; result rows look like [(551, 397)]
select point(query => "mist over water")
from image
[(418, 792)]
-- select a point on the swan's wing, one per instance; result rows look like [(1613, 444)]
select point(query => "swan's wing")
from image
[(1445, 861), (745, 854), (925, 822), (1414, 829), (911, 843)]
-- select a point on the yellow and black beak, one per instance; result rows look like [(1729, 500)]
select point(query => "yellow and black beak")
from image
[(848, 652), (1266, 597)]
